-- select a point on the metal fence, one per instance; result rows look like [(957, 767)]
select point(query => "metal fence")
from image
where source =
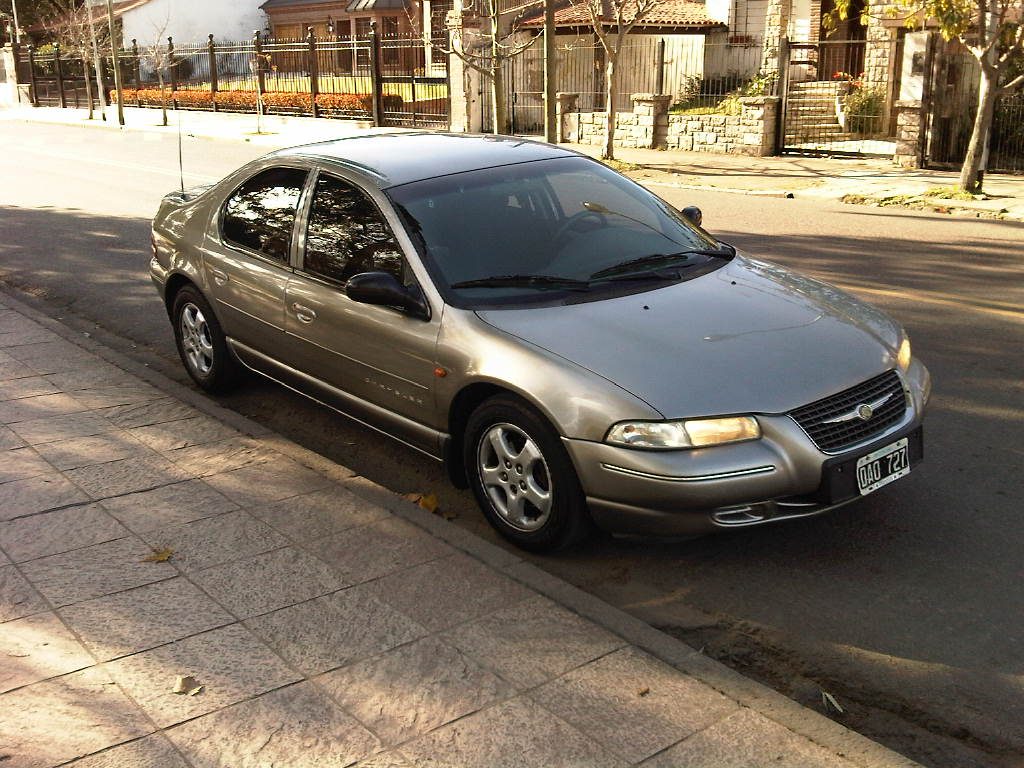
[(392, 79), (953, 85), (698, 74)]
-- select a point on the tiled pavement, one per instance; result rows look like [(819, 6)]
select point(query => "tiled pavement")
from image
[(325, 629)]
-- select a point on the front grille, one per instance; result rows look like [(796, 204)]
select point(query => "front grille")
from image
[(836, 436)]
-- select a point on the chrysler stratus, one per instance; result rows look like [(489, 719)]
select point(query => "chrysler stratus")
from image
[(574, 349)]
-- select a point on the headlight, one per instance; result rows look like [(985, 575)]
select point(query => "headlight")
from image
[(903, 356), (693, 433)]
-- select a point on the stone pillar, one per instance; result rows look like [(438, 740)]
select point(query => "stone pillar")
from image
[(775, 24), (566, 120), (758, 122), (651, 125), (909, 137)]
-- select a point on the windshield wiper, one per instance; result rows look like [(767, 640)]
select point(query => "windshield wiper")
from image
[(658, 258), (541, 282)]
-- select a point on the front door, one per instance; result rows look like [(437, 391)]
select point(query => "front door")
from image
[(379, 355), (247, 266)]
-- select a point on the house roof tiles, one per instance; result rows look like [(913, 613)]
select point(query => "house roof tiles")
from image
[(672, 13)]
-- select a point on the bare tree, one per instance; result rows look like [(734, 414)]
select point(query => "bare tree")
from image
[(612, 21), (71, 23), (486, 52), (160, 57), (992, 30)]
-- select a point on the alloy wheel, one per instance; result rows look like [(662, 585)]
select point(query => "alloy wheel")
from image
[(515, 476), (196, 339)]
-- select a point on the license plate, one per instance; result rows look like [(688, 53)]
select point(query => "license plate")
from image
[(881, 467)]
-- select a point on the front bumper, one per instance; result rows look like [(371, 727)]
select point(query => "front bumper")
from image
[(780, 476)]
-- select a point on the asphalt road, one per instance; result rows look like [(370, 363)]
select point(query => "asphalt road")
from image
[(908, 606)]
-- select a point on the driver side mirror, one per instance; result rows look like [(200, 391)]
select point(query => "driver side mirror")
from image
[(693, 214), (383, 289)]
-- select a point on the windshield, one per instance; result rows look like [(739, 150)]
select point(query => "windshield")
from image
[(561, 229)]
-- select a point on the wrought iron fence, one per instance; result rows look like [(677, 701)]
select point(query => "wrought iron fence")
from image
[(698, 74), (954, 82), (391, 79)]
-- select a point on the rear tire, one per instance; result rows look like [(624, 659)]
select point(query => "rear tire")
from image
[(522, 476), (201, 343)]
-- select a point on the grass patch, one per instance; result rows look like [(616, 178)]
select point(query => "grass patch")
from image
[(696, 111), (952, 193), (621, 166), (927, 202)]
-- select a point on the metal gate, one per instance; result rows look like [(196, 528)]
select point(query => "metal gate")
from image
[(524, 92), (59, 80), (953, 82), (828, 105)]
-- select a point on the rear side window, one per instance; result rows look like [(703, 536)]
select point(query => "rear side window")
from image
[(347, 234), (260, 214)]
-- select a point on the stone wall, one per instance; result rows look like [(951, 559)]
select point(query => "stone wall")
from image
[(752, 132)]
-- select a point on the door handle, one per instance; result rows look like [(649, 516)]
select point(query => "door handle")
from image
[(219, 276), (303, 313)]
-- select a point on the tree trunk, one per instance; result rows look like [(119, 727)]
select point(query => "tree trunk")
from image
[(96, 61), (163, 95), (499, 109), (973, 172), (611, 82), (88, 82)]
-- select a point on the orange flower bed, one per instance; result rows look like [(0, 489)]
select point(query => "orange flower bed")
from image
[(332, 102)]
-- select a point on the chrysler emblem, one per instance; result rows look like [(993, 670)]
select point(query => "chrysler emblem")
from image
[(864, 411)]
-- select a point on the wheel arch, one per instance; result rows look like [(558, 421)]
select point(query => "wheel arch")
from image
[(467, 400), (175, 283)]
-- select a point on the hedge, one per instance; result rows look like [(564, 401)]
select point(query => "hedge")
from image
[(329, 102)]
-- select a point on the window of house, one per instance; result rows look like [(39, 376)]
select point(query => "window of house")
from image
[(347, 234), (260, 214)]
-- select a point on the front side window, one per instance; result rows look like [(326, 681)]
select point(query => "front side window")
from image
[(347, 234), (260, 214)]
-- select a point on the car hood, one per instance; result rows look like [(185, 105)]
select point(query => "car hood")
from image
[(751, 337)]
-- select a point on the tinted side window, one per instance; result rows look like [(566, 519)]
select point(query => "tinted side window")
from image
[(260, 214), (347, 234)]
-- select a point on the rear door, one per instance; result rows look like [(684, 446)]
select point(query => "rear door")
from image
[(248, 263), (381, 355)]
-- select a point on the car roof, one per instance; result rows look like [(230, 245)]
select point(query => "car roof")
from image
[(390, 159)]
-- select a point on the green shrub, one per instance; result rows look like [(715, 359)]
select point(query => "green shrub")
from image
[(863, 107)]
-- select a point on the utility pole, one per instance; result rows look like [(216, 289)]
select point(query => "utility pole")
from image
[(17, 27), (550, 67), (115, 52)]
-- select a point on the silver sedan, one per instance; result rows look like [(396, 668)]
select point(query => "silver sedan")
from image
[(573, 349)]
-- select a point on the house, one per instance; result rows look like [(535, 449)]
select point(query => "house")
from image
[(291, 19), (187, 21)]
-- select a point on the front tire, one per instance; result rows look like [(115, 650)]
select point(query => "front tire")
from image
[(522, 476), (201, 343)]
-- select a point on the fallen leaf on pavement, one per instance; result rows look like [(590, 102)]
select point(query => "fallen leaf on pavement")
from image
[(427, 501), (158, 556), (830, 701), (186, 684), (643, 692)]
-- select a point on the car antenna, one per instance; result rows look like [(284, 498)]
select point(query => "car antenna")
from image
[(181, 171)]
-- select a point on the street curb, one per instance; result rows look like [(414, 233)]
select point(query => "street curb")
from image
[(819, 729)]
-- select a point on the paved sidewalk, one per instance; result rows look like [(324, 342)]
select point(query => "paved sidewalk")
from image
[(826, 178), (328, 622)]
